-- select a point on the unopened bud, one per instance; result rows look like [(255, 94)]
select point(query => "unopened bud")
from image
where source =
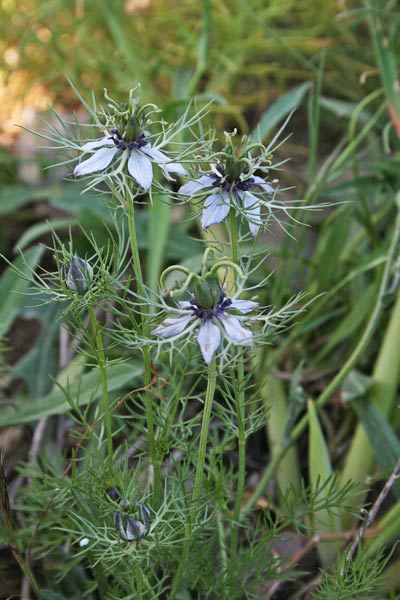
[(80, 275)]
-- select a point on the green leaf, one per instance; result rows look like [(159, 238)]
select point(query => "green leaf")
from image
[(355, 386), (13, 197), (159, 224), (13, 287), (49, 595), (280, 109), (38, 366), (80, 392), (320, 470), (341, 108), (39, 229), (381, 436)]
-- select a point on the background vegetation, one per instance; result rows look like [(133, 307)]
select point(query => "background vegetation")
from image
[(332, 66)]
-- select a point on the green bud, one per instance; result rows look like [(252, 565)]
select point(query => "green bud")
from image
[(132, 129), (207, 291), (80, 275)]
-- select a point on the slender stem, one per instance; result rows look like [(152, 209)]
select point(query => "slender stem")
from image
[(240, 402), (146, 355), (211, 383), (341, 375), (101, 361), (139, 581), (233, 236)]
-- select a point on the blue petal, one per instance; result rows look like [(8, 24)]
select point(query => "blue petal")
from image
[(139, 166), (173, 167), (265, 186), (171, 327), (235, 331), (216, 209), (209, 339), (97, 162), (105, 141), (192, 187), (164, 161), (243, 306), (158, 156), (252, 209)]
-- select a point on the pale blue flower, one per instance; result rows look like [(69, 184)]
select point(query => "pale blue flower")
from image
[(138, 154), (222, 193), (213, 324)]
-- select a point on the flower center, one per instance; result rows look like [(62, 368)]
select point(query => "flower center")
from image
[(208, 313), (122, 143), (226, 183)]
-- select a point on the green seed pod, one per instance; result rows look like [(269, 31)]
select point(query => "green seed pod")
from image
[(132, 129), (207, 291)]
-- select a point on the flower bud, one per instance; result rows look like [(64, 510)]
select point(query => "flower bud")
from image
[(130, 529), (80, 275)]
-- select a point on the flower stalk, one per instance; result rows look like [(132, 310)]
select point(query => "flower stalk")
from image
[(101, 361), (146, 355)]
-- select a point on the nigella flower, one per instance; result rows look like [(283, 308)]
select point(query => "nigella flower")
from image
[(230, 184), (127, 142), (223, 193), (138, 153), (214, 322)]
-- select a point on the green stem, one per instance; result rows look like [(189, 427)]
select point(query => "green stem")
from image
[(341, 375), (233, 236), (211, 383), (139, 582), (240, 402), (146, 355), (101, 361)]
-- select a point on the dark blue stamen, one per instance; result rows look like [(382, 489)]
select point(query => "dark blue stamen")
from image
[(244, 185), (138, 143), (121, 144), (206, 314), (225, 183)]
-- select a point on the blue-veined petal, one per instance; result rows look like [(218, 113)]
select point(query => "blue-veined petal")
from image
[(243, 306), (163, 161), (216, 209), (97, 162), (105, 141), (252, 209), (174, 168), (158, 156), (185, 304), (192, 187), (209, 338), (235, 331), (139, 166), (171, 327), (263, 184)]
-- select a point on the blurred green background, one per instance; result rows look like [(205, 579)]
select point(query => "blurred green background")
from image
[(332, 65)]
